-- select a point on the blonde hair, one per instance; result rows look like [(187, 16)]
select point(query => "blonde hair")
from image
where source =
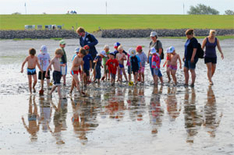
[(212, 32), (120, 47), (80, 29), (106, 47), (189, 32), (58, 51)]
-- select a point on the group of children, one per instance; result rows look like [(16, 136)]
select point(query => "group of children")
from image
[(90, 70)]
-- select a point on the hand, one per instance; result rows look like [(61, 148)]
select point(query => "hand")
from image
[(183, 59), (46, 75), (222, 56), (64, 65), (22, 70), (180, 67), (102, 66), (41, 70), (192, 60)]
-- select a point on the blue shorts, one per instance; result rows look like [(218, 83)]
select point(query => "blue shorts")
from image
[(151, 69), (98, 73), (121, 66), (212, 60), (155, 71), (188, 64), (57, 78), (31, 71)]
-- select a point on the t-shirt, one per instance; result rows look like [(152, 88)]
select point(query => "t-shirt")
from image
[(104, 59), (112, 65), (157, 45), (135, 62), (189, 45), (99, 62), (44, 60), (64, 57), (143, 58), (155, 61), (87, 58)]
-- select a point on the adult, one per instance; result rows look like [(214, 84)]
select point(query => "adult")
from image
[(158, 46), (190, 58), (88, 39), (210, 43)]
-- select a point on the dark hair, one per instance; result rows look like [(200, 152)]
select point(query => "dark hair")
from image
[(32, 51), (82, 51), (189, 32)]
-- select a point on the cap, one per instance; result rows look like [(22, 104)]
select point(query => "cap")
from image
[(153, 34), (153, 50), (170, 49), (77, 50), (132, 52), (103, 53), (106, 47), (86, 47), (43, 49), (112, 53), (62, 42), (116, 45), (139, 48)]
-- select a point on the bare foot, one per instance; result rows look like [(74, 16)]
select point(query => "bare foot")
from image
[(34, 90)]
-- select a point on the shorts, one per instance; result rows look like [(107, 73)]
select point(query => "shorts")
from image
[(57, 77), (135, 71), (61, 69), (212, 60), (31, 71), (43, 76), (121, 66), (188, 64), (142, 70), (32, 117), (86, 72), (155, 71), (151, 69), (75, 72), (98, 73), (112, 75), (173, 67)]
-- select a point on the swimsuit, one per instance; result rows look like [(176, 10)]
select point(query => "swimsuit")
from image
[(121, 66), (173, 67), (75, 72), (31, 71)]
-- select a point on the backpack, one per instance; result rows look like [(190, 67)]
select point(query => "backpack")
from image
[(157, 48), (200, 52)]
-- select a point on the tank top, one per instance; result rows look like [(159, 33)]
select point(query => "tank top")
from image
[(210, 49)]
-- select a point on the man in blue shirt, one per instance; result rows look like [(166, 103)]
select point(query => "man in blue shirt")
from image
[(88, 39)]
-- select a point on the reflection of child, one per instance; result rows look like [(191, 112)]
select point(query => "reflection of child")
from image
[(112, 64), (155, 64), (121, 57), (135, 63), (56, 74), (44, 60), (31, 70), (143, 59), (98, 64)]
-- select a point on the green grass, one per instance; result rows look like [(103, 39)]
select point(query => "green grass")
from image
[(93, 22)]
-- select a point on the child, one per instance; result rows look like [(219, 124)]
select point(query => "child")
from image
[(62, 45), (98, 65), (135, 63), (116, 45), (44, 60), (112, 64), (87, 65), (57, 73), (76, 65), (155, 64), (121, 57), (173, 65), (31, 70), (168, 63), (143, 59), (106, 72), (76, 53)]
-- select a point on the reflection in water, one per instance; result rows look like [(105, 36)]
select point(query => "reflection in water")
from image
[(59, 120), (33, 124), (45, 113), (155, 110), (171, 101), (191, 117), (210, 112)]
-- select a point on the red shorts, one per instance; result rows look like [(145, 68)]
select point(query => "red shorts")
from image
[(74, 72)]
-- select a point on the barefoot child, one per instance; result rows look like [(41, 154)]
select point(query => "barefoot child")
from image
[(121, 57), (155, 64), (106, 71), (44, 60), (77, 64), (112, 65), (173, 65), (98, 64), (168, 63), (143, 59), (87, 65), (31, 70), (135, 64), (56, 74), (62, 45)]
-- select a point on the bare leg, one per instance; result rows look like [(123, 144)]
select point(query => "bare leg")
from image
[(48, 83), (59, 92), (155, 80), (143, 77), (75, 78), (213, 69), (125, 75), (173, 72), (168, 75), (30, 83), (193, 73), (35, 82), (161, 79), (72, 86), (186, 75), (52, 90), (209, 72), (64, 79)]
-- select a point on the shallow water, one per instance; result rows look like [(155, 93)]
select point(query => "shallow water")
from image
[(120, 119)]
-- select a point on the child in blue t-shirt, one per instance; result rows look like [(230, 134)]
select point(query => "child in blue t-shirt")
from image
[(87, 65), (135, 64), (98, 65)]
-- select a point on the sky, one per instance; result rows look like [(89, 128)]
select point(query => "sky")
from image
[(113, 6)]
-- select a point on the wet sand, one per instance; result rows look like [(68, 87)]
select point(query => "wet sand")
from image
[(120, 119)]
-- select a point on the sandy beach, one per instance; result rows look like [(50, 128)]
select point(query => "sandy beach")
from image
[(117, 120)]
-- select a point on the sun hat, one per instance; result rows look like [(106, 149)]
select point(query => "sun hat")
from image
[(132, 52), (62, 42), (116, 45), (43, 49), (86, 47), (153, 50), (106, 47), (103, 53), (77, 50), (139, 48), (153, 34), (170, 49)]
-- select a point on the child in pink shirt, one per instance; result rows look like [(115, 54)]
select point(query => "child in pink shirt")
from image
[(155, 64)]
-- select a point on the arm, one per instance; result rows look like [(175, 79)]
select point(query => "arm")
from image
[(49, 67), (220, 50), (194, 53), (91, 64), (203, 44), (38, 65), (24, 123), (194, 46), (165, 63), (160, 51), (94, 41), (22, 68)]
